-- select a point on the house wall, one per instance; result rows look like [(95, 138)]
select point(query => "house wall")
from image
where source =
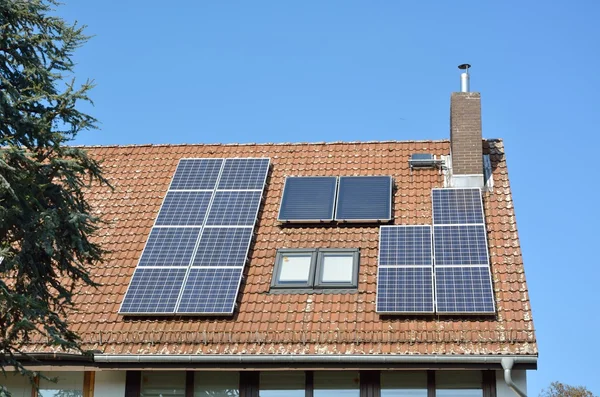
[(17, 385), (520, 379), (109, 384)]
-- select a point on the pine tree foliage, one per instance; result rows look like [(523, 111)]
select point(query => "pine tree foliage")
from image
[(558, 389), (45, 221)]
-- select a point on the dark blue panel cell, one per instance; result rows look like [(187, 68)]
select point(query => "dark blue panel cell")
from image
[(184, 209), (170, 246), (244, 174), (234, 208), (405, 245), (464, 290), (153, 291), (405, 290), (460, 245), (308, 199), (210, 290), (196, 174), (223, 247), (364, 198), (457, 206)]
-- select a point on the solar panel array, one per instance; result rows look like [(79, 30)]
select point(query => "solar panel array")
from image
[(405, 271), (323, 199), (195, 254), (463, 282)]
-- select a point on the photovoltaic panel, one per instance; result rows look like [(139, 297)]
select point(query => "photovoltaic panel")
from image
[(210, 290), (234, 208), (457, 206), (223, 246), (405, 290), (184, 208), (308, 199), (185, 258), (405, 271), (464, 290), (405, 245), (244, 174), (364, 198), (460, 245), (153, 290), (196, 174), (170, 246)]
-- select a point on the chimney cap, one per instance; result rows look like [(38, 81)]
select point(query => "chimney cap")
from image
[(464, 66)]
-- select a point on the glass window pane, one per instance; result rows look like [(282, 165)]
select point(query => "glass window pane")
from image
[(17, 384), (337, 268), (337, 384), (403, 384), (216, 384), (282, 384), (163, 384), (68, 384), (458, 384), (295, 268)]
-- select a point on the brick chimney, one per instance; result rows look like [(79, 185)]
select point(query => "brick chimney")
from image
[(466, 138)]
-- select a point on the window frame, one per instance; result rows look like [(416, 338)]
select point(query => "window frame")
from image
[(321, 253), (314, 282)]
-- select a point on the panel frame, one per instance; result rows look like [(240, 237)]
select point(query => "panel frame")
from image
[(431, 266), (335, 193), (356, 220)]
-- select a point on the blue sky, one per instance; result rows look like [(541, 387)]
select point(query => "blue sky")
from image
[(196, 72)]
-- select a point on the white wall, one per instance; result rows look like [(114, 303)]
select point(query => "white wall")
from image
[(520, 379), (16, 384), (109, 384)]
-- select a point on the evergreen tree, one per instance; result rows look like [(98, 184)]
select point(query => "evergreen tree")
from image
[(45, 221)]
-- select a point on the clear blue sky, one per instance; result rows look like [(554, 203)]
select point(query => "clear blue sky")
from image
[(279, 71)]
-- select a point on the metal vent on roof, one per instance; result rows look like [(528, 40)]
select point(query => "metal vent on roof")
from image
[(423, 160)]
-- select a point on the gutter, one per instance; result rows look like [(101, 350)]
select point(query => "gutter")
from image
[(244, 359), (507, 365)]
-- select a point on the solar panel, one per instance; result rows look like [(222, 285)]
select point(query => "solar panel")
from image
[(462, 268), (223, 246), (234, 208), (457, 206), (196, 174), (405, 271), (195, 254), (210, 290), (170, 246), (364, 198), (153, 290), (405, 290), (464, 290), (308, 199), (184, 208)]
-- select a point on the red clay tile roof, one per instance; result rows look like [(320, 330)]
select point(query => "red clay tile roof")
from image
[(319, 323)]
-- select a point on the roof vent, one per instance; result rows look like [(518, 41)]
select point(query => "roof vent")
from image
[(464, 77), (423, 160)]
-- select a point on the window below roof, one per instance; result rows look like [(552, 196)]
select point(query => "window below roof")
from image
[(312, 268)]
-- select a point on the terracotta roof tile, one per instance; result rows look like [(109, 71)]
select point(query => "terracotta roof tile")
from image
[(284, 323)]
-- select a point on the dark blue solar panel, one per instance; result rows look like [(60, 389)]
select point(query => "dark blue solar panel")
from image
[(210, 290), (460, 245), (232, 208), (405, 290), (405, 245), (184, 209), (170, 246), (223, 247), (464, 290), (196, 174), (153, 290), (244, 174), (308, 199), (364, 198), (457, 206)]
